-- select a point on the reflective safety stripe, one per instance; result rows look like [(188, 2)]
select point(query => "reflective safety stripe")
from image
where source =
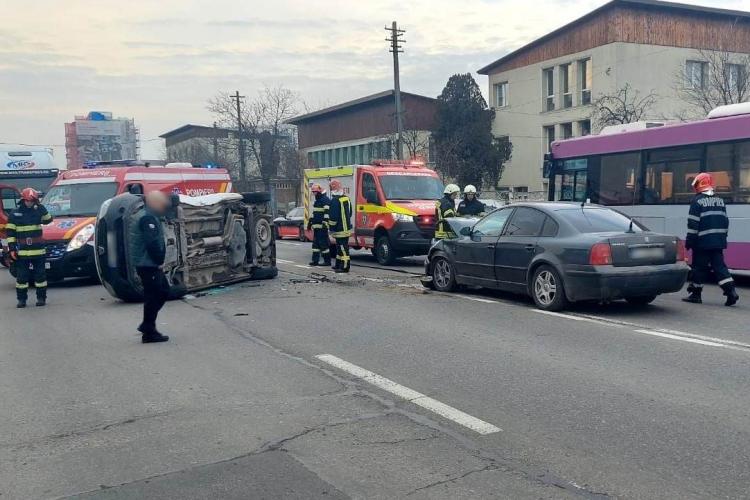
[(724, 282), (317, 226), (47, 217), (32, 253), (693, 217), (344, 225), (22, 286), (696, 285), (692, 231), (11, 239), (10, 226), (713, 212), (316, 250), (713, 231), (319, 209), (41, 284), (326, 251), (25, 229), (327, 207), (342, 234)]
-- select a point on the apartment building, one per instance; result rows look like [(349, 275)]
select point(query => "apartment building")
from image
[(544, 91)]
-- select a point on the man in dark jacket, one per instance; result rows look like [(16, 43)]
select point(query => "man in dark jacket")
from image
[(148, 248), (470, 206), (340, 225), (26, 246), (708, 226), (318, 222)]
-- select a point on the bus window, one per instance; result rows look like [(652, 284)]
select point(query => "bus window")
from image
[(9, 198), (743, 164), (720, 162), (618, 179), (570, 182), (670, 182)]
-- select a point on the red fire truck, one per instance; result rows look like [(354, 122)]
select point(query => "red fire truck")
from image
[(74, 199), (393, 205)]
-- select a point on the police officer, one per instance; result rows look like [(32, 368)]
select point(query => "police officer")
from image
[(26, 246), (148, 248), (319, 225), (445, 207), (340, 225), (470, 206), (708, 226)]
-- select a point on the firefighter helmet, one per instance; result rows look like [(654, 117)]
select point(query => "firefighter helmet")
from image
[(29, 194), (470, 189), (451, 189), (703, 182), (316, 188), (335, 185)]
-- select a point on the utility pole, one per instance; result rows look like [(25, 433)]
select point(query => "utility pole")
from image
[(396, 39), (215, 142), (238, 99)]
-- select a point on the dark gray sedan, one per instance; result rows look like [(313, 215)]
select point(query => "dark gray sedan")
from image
[(558, 253)]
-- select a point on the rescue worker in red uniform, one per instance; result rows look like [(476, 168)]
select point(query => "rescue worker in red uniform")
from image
[(26, 246), (319, 225), (707, 230), (340, 225)]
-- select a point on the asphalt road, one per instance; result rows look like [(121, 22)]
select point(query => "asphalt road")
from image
[(315, 385)]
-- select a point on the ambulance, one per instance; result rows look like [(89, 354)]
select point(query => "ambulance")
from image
[(393, 205), (74, 199)]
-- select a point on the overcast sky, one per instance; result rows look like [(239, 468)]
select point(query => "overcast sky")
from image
[(159, 61)]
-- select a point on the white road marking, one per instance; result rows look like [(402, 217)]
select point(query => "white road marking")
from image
[(290, 243), (419, 399), (478, 299), (684, 339), (577, 318), (285, 261), (302, 267)]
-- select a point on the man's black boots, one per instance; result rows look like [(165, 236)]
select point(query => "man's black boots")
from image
[(151, 335), (695, 295), (21, 295), (730, 293), (41, 298), (21, 304)]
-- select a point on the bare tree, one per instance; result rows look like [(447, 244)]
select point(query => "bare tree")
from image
[(263, 123), (416, 143), (626, 105), (715, 78)]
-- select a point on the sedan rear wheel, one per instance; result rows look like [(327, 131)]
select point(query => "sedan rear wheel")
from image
[(443, 277), (547, 289)]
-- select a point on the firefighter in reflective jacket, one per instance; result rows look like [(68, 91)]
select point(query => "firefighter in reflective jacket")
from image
[(470, 206), (708, 226), (24, 231), (319, 225), (340, 225), (445, 207)]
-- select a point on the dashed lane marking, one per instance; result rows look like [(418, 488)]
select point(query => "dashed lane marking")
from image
[(419, 399), (679, 337), (478, 299)]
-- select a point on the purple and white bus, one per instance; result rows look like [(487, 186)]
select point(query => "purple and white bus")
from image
[(647, 173)]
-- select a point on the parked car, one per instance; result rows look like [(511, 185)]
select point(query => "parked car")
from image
[(558, 253), (292, 225), (211, 240)]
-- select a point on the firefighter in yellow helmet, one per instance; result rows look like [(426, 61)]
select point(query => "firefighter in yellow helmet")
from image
[(445, 207)]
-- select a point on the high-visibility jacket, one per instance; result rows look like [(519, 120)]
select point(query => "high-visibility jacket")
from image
[(470, 207), (24, 231), (708, 223), (340, 217), (445, 207), (320, 215)]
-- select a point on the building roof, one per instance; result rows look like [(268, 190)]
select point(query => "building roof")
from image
[(353, 104), (648, 4), (189, 127)]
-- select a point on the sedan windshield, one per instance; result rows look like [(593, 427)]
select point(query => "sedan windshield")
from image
[(598, 220), (72, 200), (411, 187)]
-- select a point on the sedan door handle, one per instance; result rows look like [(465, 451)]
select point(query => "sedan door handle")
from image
[(530, 248), (490, 246)]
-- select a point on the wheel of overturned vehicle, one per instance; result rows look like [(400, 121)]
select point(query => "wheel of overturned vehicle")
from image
[(547, 289), (263, 233), (640, 301), (443, 277), (384, 251)]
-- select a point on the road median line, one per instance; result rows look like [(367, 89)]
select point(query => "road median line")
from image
[(419, 399)]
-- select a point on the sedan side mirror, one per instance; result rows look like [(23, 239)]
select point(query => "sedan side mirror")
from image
[(465, 231)]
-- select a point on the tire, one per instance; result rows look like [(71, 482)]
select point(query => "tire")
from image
[(640, 301), (384, 252), (547, 289), (443, 275), (263, 233), (302, 236), (256, 198)]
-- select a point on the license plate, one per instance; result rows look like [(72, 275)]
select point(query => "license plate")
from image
[(47, 265), (647, 253)]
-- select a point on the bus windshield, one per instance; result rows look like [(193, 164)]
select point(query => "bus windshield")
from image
[(411, 187), (78, 200)]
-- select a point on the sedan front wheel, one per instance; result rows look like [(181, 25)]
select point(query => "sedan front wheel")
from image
[(547, 289), (443, 276)]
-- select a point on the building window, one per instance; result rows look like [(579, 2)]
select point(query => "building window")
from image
[(565, 87), (735, 78), (584, 127), (696, 74), (521, 193), (548, 89), (549, 136), (585, 77), (501, 94), (566, 130)]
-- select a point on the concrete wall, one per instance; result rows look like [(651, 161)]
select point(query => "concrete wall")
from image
[(647, 68)]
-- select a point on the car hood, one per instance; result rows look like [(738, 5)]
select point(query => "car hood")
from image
[(66, 227)]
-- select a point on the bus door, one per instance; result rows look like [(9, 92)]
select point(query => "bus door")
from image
[(571, 179)]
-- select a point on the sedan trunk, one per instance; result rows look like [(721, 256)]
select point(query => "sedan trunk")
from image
[(641, 249)]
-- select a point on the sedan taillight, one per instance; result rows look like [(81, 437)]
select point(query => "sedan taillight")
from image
[(681, 251), (601, 255)]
